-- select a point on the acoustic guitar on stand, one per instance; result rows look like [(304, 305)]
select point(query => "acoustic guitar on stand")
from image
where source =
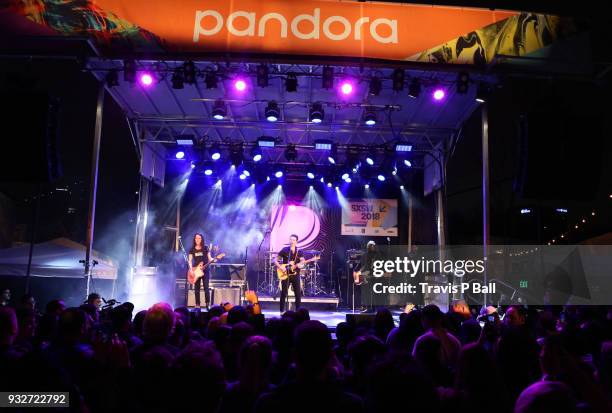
[(288, 269), (197, 272)]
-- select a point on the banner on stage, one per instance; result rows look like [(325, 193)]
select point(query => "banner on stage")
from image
[(376, 30), (370, 217)]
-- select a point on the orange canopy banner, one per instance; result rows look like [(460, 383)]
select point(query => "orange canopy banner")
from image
[(305, 27)]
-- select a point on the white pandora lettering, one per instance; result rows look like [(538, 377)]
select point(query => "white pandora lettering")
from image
[(336, 28)]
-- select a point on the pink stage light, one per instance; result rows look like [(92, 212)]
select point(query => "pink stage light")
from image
[(346, 88), (240, 85), (439, 94), (146, 79)]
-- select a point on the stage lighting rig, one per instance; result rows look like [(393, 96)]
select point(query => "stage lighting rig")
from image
[(291, 153), (316, 113), (328, 77), (219, 111), (291, 83), (369, 117), (129, 70), (178, 80), (375, 86), (272, 112), (210, 80), (398, 79), (414, 89), (263, 76), (189, 72), (256, 154), (112, 78)]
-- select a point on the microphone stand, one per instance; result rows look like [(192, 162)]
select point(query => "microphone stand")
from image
[(187, 261), (259, 258)]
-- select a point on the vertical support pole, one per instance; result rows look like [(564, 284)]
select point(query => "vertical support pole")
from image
[(141, 221), (93, 184), (410, 223), (485, 192)]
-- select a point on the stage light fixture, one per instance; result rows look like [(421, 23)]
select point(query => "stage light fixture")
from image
[(414, 89), (381, 177), (278, 174), (240, 83), (112, 78), (208, 171), (407, 163), (310, 175), (215, 152), (370, 117), (403, 147), (236, 154), (375, 86), (401, 186), (210, 80), (263, 76), (242, 177), (329, 184), (323, 145), (177, 80), (246, 172), (370, 160), (438, 94), (332, 157), (180, 155), (327, 77), (146, 79), (189, 72), (219, 111), (129, 70), (367, 186), (266, 142), (345, 176), (481, 93), (272, 112), (463, 82), (317, 113), (348, 180), (291, 83), (291, 153), (185, 140), (256, 154), (346, 87), (398, 79)]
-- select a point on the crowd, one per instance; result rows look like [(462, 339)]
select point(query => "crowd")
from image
[(231, 359)]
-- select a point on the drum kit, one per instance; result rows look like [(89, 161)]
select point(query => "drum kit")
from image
[(310, 277)]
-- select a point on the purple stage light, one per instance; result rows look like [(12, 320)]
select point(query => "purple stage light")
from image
[(146, 79), (439, 94), (240, 85), (346, 88), (329, 184)]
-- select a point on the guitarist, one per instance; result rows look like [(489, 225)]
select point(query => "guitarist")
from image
[(362, 274), (290, 254), (200, 254)]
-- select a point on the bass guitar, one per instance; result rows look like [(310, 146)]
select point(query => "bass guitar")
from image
[(197, 272), (290, 268)]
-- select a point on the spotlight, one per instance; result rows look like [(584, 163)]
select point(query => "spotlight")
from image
[(367, 186), (322, 180), (146, 79), (403, 147), (189, 71), (240, 84), (346, 87), (208, 171), (316, 113), (210, 80), (481, 93), (180, 155), (381, 178), (112, 78), (246, 173), (402, 187), (323, 145), (236, 154), (177, 80), (291, 153), (291, 83), (345, 176), (328, 77), (463, 82), (375, 86), (242, 177), (256, 154), (192, 165), (329, 184), (219, 111), (370, 160), (310, 175), (278, 174), (414, 90), (271, 111), (348, 180), (438, 94), (332, 156), (266, 142), (215, 152), (407, 163), (263, 78), (398, 79), (129, 70), (370, 117)]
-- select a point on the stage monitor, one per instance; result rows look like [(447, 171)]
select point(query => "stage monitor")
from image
[(370, 217)]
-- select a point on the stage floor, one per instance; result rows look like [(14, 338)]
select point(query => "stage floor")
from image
[(330, 318)]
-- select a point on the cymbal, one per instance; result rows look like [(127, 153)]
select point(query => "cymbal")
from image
[(315, 252)]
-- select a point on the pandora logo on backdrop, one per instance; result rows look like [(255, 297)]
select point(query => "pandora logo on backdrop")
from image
[(211, 22)]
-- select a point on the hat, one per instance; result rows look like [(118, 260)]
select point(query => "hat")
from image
[(370, 242)]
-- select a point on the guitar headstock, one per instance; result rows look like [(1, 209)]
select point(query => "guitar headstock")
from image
[(219, 256)]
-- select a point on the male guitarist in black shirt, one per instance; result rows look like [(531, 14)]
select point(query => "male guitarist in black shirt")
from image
[(286, 263)]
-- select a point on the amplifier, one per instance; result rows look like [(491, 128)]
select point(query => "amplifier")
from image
[(220, 295)]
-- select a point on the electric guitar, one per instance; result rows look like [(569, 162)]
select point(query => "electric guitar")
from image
[(197, 272), (288, 269)]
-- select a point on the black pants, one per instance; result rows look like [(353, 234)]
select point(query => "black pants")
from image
[(196, 288), (295, 284), (363, 295)]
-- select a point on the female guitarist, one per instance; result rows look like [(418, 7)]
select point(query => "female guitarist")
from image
[(200, 255)]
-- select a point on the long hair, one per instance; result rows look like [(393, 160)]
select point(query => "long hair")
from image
[(194, 240)]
